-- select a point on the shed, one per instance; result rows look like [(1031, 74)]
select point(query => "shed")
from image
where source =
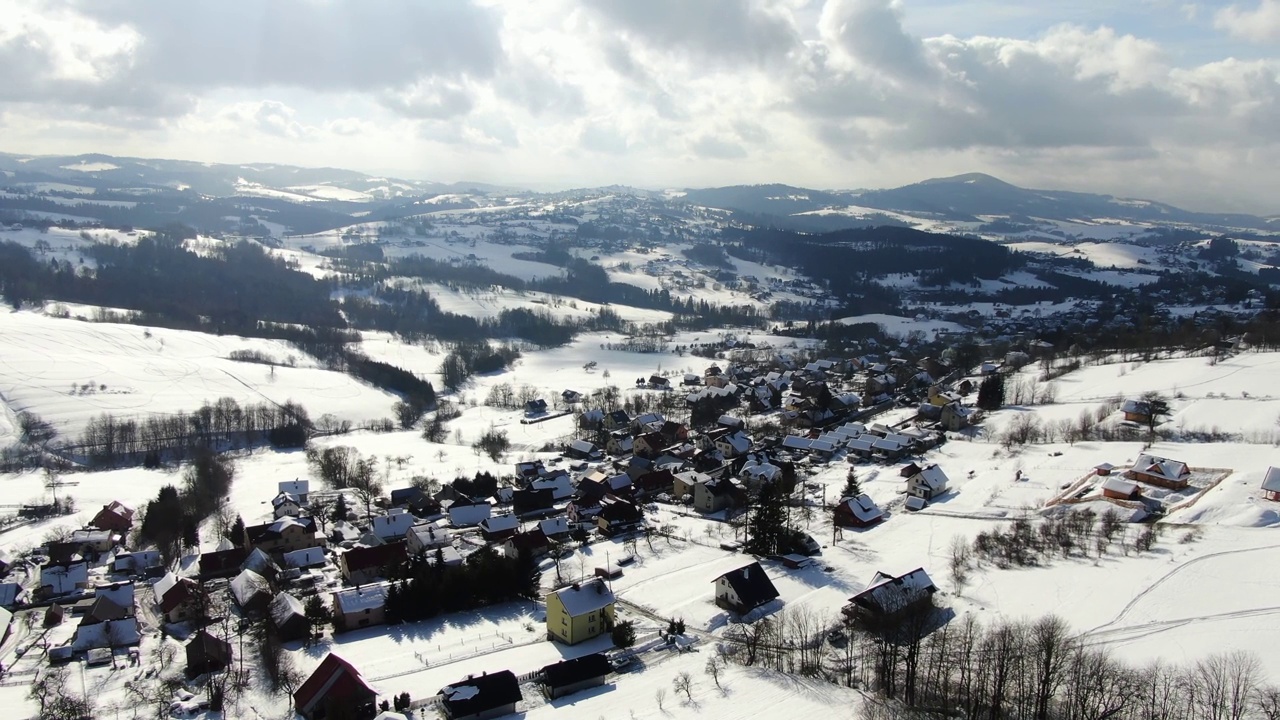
[(569, 676)]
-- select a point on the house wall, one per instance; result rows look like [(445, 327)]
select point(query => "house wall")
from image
[(1157, 480), (493, 713), (573, 630), (726, 597), (560, 692), (365, 618)]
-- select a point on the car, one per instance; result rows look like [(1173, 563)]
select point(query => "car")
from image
[(837, 636), (622, 662)]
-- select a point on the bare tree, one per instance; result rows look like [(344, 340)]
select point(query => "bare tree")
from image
[(961, 554), (714, 666), (660, 695), (684, 683)]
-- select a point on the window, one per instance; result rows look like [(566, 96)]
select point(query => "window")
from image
[(591, 617)]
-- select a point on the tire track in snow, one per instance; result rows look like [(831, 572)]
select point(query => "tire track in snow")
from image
[(1124, 612)]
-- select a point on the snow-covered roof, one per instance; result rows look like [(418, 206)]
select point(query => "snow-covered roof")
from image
[(585, 598), (888, 594), (296, 488), (1117, 484), (284, 606), (795, 442), (863, 508), (1161, 467), (933, 476), (392, 525), (368, 597), (500, 523), (306, 557), (582, 446), (469, 514), (247, 585)]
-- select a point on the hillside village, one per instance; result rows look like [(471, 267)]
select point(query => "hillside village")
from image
[(776, 441)]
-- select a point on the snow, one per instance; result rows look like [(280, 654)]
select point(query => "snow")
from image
[(898, 326), (68, 372), (90, 167)]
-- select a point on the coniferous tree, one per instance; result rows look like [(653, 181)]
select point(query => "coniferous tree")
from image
[(852, 488), (991, 393), (766, 526)]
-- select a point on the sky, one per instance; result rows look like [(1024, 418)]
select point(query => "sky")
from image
[(1160, 99)]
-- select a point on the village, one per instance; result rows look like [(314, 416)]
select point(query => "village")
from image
[(562, 532)]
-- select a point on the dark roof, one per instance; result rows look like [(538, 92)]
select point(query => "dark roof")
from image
[(753, 587), (222, 561), (105, 609), (523, 501), (378, 556), (490, 691), (334, 676), (403, 496), (887, 595), (206, 646), (571, 672)]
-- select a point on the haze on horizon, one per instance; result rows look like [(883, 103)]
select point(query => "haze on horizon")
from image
[(1173, 101)]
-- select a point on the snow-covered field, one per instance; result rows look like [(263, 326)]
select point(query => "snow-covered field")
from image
[(68, 371)]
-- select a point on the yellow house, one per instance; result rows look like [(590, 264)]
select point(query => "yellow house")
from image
[(580, 612)]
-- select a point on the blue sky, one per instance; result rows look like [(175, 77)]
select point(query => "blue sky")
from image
[(1174, 101)]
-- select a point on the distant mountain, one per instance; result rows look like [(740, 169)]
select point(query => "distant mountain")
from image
[(963, 198)]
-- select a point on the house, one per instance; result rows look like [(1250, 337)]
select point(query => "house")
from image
[(361, 606), (617, 420), (178, 598), (744, 589), (569, 676), (422, 539), (620, 443), (657, 382), (581, 450), (288, 617), (654, 482), (674, 433), (927, 483), (860, 511), (579, 612), (467, 512), (534, 542), (1160, 471), (138, 563), (1119, 488), (58, 579), (887, 597), (956, 417), (284, 535), (556, 527), (558, 482), (110, 626), (733, 444), (300, 489), (360, 565), (1136, 411), (92, 541), (116, 517), (415, 501), (1271, 484), (499, 527), (305, 558), (649, 444), (285, 505), (717, 494), (618, 516), (731, 422), (251, 591), (262, 564), (481, 696), (335, 690), (535, 407), (571, 397), (222, 563), (448, 556), (206, 654), (1103, 469), (392, 526)]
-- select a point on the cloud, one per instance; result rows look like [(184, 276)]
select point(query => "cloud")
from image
[(716, 148), (602, 137), (716, 31), (1261, 24)]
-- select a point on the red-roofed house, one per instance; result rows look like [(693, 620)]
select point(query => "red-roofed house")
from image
[(116, 517), (335, 690)]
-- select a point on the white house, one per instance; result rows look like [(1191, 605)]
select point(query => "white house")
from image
[(300, 489), (394, 525)]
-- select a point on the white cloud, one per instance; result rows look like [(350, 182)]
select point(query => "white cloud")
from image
[(838, 93), (1260, 24)]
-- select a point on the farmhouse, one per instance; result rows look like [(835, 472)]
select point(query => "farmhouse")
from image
[(206, 653), (335, 690), (887, 597), (860, 511), (177, 597), (744, 589), (926, 483), (479, 697), (1159, 471), (579, 612), (569, 676), (284, 535), (116, 517)]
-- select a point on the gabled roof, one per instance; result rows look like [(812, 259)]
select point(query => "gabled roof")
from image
[(576, 670), (480, 693), (1118, 484), (379, 556), (863, 508), (1161, 467), (285, 607), (886, 594), (585, 598), (360, 598), (248, 586), (751, 584), (334, 675)]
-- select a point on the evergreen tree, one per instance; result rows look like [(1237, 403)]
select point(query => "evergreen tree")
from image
[(852, 488), (766, 526), (340, 510), (317, 613), (624, 634), (236, 535), (991, 393)]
